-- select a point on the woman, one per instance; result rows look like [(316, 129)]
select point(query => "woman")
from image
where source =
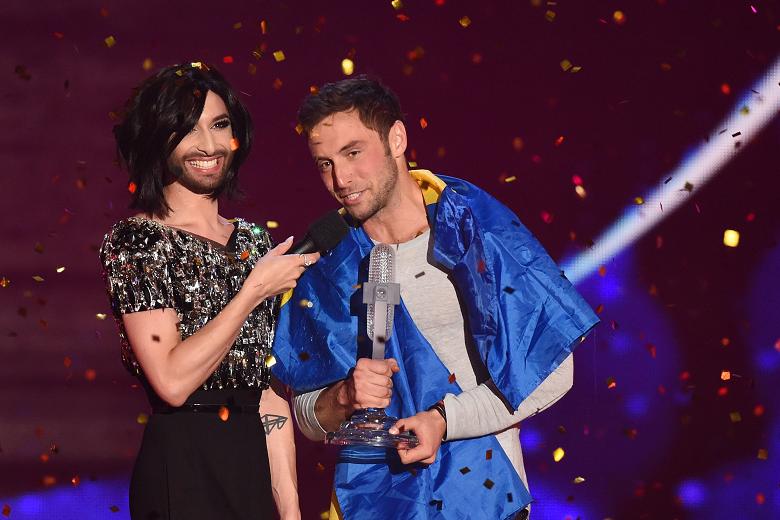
[(195, 299)]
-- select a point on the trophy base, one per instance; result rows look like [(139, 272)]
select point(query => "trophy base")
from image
[(370, 428)]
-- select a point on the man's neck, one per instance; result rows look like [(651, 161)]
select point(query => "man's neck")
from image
[(403, 218)]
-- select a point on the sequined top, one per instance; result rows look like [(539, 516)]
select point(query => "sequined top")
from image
[(148, 265)]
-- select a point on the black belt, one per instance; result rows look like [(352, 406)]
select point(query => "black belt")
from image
[(208, 408)]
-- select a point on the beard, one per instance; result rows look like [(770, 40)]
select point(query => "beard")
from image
[(387, 182), (199, 184)]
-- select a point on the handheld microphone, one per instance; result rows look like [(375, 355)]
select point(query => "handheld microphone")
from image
[(382, 294), (323, 235)]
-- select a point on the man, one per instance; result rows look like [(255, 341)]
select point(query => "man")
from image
[(194, 296), (482, 339)]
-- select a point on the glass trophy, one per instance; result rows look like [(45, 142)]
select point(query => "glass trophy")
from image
[(370, 427)]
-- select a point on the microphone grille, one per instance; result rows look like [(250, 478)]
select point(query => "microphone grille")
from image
[(381, 265)]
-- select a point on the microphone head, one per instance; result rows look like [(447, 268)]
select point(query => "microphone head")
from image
[(327, 231), (381, 269)]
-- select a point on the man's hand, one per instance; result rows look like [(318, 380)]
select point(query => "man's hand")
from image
[(369, 386), (430, 428)]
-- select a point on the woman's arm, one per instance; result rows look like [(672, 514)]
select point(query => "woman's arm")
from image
[(280, 442), (175, 368)]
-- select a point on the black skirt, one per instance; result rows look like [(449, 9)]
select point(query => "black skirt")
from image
[(194, 465)]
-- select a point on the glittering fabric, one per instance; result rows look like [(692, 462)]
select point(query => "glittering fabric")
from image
[(147, 265)]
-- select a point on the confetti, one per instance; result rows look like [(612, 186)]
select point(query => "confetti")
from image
[(511, 178), (559, 140), (48, 480), (578, 480), (131, 187), (735, 417), (305, 303), (488, 483), (397, 4), (148, 64), (110, 41), (558, 454), (6, 510), (518, 144), (611, 383), (114, 509), (763, 454), (60, 269), (725, 375), (101, 316), (759, 410), (731, 238), (464, 470), (639, 201), (224, 413), (142, 418), (565, 65), (347, 66), (304, 356), (75, 480), (67, 362), (90, 374), (465, 21), (451, 379), (270, 360), (619, 17), (4, 282), (263, 27), (238, 25), (423, 123), (580, 191), (244, 255), (420, 274), (489, 455), (279, 56), (38, 278), (299, 129), (271, 224), (760, 497)]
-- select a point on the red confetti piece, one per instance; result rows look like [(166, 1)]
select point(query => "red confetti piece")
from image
[(90, 374), (546, 216), (725, 89), (723, 391), (67, 362), (576, 180), (559, 140), (58, 35), (402, 17), (132, 187), (451, 379), (760, 498), (611, 383), (227, 59), (244, 255), (651, 349), (6, 510), (685, 375), (758, 410)]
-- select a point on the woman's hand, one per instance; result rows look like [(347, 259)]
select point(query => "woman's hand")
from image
[(276, 273)]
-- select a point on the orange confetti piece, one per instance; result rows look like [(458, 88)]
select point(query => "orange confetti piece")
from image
[(763, 454), (423, 123), (299, 129), (263, 27), (244, 254), (452, 378), (224, 413), (759, 410), (619, 17), (6, 510), (518, 144), (75, 480), (550, 16), (602, 271), (465, 21), (235, 144), (760, 498), (238, 25), (148, 64), (725, 375), (90, 374), (48, 480)]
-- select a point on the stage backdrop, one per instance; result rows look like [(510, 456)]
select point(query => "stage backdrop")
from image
[(568, 112)]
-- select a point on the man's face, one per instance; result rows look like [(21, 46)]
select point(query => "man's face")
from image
[(201, 160), (354, 163)]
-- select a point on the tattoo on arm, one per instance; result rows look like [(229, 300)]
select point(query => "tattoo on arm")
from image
[(271, 421)]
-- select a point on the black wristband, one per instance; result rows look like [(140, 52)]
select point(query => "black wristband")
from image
[(439, 407)]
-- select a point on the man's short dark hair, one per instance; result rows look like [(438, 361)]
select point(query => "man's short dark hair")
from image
[(159, 114), (377, 105)]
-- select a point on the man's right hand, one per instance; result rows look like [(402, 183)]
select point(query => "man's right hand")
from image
[(369, 386)]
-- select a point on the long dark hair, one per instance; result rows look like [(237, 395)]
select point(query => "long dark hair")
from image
[(377, 105), (159, 114)]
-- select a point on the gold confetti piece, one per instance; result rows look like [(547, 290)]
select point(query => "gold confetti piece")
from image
[(511, 178), (38, 278), (196, 65), (4, 282), (550, 16), (75, 480), (110, 41), (731, 238), (575, 69), (565, 65), (558, 454), (142, 418), (735, 417), (148, 64), (100, 316), (270, 360), (397, 4), (412, 164), (611, 383), (60, 269), (619, 17), (237, 25), (224, 413), (271, 224), (465, 21), (763, 454), (578, 480), (725, 375), (347, 66), (279, 56), (639, 201), (581, 193), (325, 515)]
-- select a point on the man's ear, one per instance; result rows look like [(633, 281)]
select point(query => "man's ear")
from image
[(396, 139)]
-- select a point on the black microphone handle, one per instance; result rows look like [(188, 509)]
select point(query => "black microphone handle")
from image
[(302, 247)]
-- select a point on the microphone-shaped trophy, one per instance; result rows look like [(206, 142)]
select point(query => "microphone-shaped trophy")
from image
[(370, 427)]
